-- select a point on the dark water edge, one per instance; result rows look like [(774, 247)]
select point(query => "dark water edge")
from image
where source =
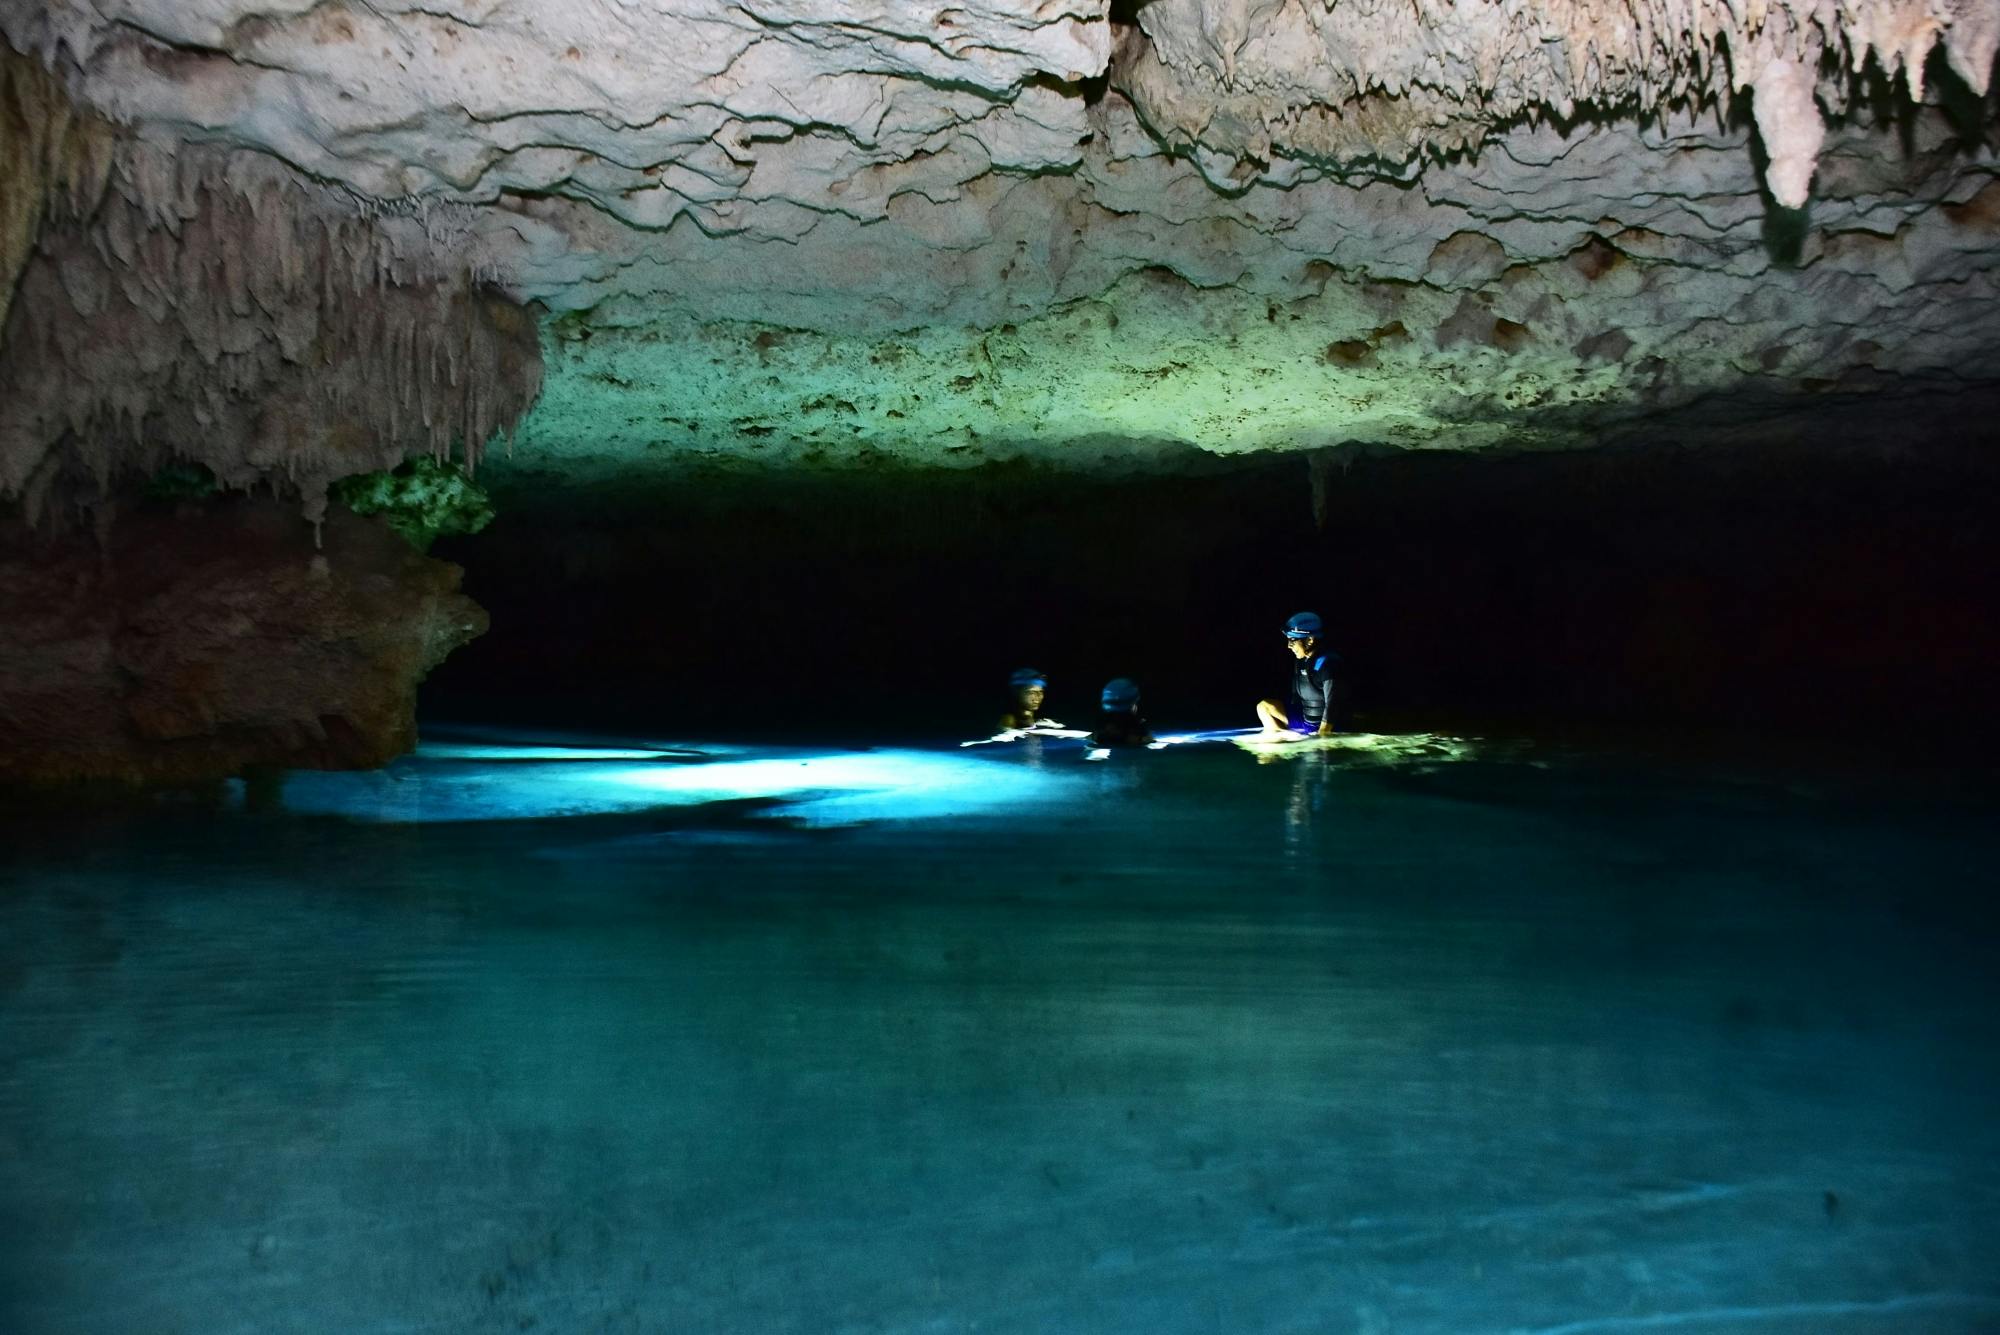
[(1535, 1039)]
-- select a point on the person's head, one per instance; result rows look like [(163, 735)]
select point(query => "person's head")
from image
[(1302, 633), (1030, 688), (1121, 696)]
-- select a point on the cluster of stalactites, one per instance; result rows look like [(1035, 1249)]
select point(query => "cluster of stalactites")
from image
[(1385, 81), (54, 160), (216, 308)]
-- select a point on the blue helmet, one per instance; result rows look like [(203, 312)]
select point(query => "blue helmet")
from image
[(1024, 678), (1303, 626), (1120, 693)]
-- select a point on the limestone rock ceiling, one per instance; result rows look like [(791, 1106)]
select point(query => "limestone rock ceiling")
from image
[(805, 231)]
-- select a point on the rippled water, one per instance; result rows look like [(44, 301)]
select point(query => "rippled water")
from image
[(683, 1038)]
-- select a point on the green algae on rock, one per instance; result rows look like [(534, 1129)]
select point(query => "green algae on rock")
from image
[(423, 500)]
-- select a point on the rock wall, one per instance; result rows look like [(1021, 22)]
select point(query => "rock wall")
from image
[(185, 645), (169, 304)]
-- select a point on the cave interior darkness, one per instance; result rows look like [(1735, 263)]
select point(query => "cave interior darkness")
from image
[(1838, 590)]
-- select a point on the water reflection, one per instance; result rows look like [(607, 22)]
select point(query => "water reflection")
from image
[(1308, 796), (1188, 1044)]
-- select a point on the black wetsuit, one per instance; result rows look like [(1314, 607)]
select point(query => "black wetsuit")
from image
[(1319, 689), (1122, 728)]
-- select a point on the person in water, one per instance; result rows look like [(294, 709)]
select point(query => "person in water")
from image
[(1318, 695), (1119, 722), (1030, 689)]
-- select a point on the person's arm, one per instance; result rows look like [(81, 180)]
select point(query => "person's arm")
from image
[(1332, 697)]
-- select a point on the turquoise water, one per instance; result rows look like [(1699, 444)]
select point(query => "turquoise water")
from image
[(643, 1036)]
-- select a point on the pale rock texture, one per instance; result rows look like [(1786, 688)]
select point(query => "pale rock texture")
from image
[(51, 157), (1125, 310), (944, 234), (211, 306), (1254, 87)]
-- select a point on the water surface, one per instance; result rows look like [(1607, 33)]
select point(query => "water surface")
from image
[(676, 1037)]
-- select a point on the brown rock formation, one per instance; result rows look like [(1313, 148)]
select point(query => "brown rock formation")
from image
[(165, 304), (182, 646)]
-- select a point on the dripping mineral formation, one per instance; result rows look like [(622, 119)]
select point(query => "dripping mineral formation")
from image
[(294, 243)]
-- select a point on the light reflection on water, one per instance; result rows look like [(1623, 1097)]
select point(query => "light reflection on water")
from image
[(1180, 1042), (485, 781), (476, 778)]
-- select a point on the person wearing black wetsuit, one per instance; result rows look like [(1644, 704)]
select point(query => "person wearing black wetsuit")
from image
[(1319, 695), (1119, 723)]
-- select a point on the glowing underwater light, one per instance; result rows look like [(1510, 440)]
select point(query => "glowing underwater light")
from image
[(1211, 735), (483, 751), (459, 782), (1016, 734), (487, 781)]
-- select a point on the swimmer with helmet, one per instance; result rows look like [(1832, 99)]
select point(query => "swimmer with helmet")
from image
[(1119, 722), (1030, 687), (1318, 693)]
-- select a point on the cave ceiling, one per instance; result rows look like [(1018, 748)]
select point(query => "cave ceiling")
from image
[(819, 232)]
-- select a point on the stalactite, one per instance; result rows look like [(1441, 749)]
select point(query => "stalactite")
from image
[(53, 160), (1319, 466), (193, 318), (1790, 126), (1357, 83)]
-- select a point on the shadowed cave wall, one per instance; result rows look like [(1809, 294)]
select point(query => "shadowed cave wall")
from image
[(1846, 591)]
